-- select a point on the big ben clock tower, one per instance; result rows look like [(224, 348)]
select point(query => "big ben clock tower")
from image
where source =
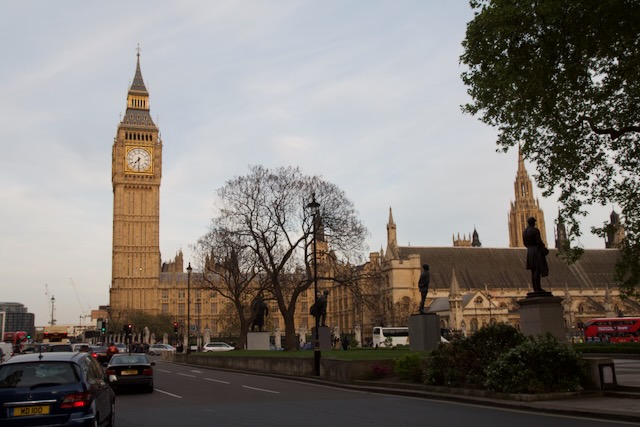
[(136, 173)]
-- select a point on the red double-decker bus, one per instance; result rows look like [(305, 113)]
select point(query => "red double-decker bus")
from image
[(613, 329), (15, 338)]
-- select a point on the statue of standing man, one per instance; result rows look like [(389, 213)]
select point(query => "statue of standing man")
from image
[(423, 285), (259, 309), (536, 255), (319, 308)]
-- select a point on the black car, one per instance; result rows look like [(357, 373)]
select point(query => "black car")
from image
[(57, 388), (99, 353), (128, 371)]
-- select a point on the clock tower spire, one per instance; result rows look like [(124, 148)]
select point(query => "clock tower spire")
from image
[(136, 174)]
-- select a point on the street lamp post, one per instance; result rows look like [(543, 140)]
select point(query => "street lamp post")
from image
[(53, 303), (197, 321), (189, 269), (316, 338), (489, 298)]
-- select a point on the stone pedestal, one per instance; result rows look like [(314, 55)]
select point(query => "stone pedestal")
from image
[(324, 335), (424, 332), (258, 341), (539, 315)]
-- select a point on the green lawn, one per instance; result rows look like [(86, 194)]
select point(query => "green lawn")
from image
[(368, 354), (609, 348)]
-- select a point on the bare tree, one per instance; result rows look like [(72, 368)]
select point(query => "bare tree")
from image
[(267, 213), (231, 269), (365, 284)]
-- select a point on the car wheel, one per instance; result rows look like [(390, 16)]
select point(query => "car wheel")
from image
[(149, 388), (151, 353)]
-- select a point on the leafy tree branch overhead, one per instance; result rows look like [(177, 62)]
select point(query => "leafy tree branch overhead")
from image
[(561, 79)]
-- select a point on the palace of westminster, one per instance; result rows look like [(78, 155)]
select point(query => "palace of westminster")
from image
[(470, 285)]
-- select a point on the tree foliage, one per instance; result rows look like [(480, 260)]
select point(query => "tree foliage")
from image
[(267, 213), (560, 78), (158, 325)]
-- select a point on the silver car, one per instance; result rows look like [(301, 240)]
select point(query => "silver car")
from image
[(160, 348), (217, 346)]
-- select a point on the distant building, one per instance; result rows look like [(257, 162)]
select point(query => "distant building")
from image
[(472, 286), (17, 317)]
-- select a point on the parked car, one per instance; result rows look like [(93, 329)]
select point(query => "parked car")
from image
[(217, 346), (122, 348), (99, 352), (160, 348), (56, 388), (126, 371)]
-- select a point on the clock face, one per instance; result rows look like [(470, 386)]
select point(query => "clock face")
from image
[(139, 159)]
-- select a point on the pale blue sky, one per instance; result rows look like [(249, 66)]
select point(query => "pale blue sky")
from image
[(365, 93)]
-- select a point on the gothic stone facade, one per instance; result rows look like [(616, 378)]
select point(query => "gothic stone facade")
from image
[(470, 284)]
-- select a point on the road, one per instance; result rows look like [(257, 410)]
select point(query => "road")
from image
[(191, 396)]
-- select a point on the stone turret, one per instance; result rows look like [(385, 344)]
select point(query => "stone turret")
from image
[(523, 207)]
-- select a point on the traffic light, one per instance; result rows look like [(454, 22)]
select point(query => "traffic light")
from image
[(103, 328), (176, 325), (129, 328)]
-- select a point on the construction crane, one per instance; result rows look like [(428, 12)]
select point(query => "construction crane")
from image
[(83, 313), (50, 303)]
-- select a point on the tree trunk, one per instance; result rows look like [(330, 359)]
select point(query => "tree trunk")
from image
[(290, 339)]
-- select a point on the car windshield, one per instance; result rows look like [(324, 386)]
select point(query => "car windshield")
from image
[(128, 360), (37, 374)]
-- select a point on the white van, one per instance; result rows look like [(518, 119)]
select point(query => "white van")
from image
[(7, 351)]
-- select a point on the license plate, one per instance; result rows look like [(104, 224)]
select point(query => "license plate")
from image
[(24, 411), (130, 372)]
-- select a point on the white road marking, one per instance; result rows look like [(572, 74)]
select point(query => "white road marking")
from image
[(261, 389), (186, 375), (162, 370), (168, 394), (196, 372), (217, 381)]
